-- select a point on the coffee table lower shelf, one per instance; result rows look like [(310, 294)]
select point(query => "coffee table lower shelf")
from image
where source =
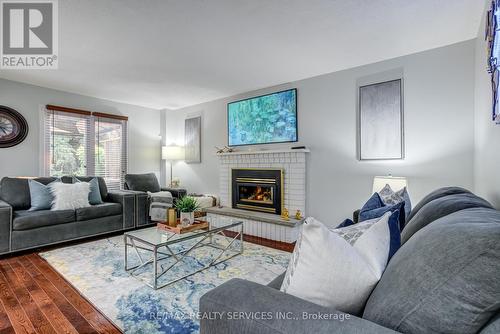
[(162, 250)]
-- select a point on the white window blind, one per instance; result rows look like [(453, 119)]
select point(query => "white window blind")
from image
[(111, 150), (87, 144), (67, 143)]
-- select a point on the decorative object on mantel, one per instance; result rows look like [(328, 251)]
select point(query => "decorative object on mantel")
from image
[(224, 149), (172, 153), (285, 215), (192, 140), (380, 129), (13, 127), (492, 27), (187, 206), (298, 215)]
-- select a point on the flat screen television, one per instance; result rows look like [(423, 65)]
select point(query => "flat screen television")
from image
[(265, 119)]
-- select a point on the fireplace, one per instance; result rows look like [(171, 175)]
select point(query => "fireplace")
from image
[(257, 190)]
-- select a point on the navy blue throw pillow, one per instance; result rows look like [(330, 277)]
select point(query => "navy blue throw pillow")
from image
[(345, 223), (377, 209), (394, 230), (374, 202)]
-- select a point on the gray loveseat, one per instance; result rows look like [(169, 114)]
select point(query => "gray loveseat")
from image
[(21, 229), (444, 279)]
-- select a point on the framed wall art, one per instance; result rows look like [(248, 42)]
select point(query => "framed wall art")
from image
[(192, 144), (380, 121)]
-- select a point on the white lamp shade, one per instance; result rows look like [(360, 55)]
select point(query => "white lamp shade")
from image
[(172, 152), (396, 183)]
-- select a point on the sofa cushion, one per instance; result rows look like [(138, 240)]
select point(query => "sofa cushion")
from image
[(102, 184), (16, 191), (142, 182), (98, 211), (444, 279), (441, 192), (441, 207), (27, 220)]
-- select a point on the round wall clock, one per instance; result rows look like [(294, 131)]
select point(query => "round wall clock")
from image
[(13, 127)]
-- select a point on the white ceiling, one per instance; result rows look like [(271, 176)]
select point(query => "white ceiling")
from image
[(176, 53)]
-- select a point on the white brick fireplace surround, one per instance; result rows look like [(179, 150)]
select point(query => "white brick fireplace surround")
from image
[(269, 226)]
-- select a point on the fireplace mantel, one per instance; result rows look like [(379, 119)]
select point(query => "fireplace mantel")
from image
[(293, 165)]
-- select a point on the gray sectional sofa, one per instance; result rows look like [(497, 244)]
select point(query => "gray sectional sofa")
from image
[(21, 229), (444, 279)]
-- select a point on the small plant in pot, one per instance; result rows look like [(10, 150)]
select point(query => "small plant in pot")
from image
[(187, 206)]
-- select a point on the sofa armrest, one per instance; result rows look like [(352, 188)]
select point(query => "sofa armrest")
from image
[(127, 200), (240, 306), (6, 213), (141, 207)]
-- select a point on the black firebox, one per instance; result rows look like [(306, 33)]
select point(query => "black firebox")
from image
[(257, 190)]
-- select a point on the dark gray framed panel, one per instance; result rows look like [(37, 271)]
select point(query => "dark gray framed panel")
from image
[(381, 121), (192, 134)]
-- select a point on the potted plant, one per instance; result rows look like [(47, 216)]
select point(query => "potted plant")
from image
[(187, 206)]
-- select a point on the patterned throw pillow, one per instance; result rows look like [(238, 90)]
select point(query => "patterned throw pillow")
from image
[(339, 268), (389, 197)]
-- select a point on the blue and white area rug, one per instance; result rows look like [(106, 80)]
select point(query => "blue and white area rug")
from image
[(96, 270)]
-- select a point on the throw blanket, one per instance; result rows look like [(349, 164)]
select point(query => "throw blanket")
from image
[(159, 203)]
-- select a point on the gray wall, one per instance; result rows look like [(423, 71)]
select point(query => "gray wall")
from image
[(25, 159), (487, 134), (439, 99)]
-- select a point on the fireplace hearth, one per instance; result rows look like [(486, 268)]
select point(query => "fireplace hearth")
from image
[(257, 190)]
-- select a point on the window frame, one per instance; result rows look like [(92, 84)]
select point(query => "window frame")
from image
[(45, 153)]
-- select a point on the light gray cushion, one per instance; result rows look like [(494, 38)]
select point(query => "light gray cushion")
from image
[(441, 207), (16, 191), (27, 220), (444, 279), (142, 182), (441, 192), (98, 211)]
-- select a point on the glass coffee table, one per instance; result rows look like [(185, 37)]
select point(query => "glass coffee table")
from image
[(163, 258)]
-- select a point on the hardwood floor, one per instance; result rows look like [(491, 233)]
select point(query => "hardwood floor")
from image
[(36, 299)]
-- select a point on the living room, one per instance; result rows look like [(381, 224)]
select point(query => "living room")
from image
[(249, 167)]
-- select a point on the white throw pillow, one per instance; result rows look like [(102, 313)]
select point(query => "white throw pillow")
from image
[(70, 196), (339, 268)]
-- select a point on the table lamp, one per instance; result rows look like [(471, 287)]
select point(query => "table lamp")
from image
[(172, 153), (396, 183)]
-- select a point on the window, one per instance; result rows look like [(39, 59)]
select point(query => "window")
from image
[(79, 142)]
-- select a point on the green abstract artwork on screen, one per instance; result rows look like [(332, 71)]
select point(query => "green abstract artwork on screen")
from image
[(265, 119)]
